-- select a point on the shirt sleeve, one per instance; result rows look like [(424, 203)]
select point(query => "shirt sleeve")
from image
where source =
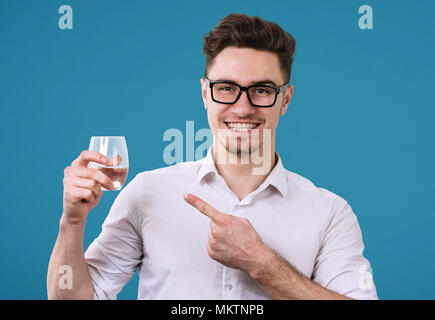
[(340, 265), (113, 257)]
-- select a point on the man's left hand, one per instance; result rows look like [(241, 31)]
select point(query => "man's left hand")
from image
[(232, 241)]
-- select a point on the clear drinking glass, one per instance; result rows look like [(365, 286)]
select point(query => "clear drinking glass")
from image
[(115, 149)]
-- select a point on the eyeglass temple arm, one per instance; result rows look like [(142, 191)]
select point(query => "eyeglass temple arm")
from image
[(283, 88)]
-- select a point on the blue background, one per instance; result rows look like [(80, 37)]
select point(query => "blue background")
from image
[(360, 122)]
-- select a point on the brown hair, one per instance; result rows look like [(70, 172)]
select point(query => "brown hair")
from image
[(243, 31)]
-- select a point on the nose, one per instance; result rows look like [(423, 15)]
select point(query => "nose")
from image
[(243, 107)]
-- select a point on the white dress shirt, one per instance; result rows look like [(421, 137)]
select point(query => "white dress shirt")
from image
[(151, 227)]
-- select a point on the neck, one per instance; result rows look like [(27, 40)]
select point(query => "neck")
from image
[(244, 173)]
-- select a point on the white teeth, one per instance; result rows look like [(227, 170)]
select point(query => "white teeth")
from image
[(241, 126)]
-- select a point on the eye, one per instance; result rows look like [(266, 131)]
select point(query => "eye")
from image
[(262, 91), (226, 88)]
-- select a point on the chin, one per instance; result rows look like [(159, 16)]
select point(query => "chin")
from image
[(241, 149)]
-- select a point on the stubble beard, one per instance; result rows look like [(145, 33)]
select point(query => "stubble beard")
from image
[(237, 147)]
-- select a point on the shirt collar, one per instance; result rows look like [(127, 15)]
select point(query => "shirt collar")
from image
[(207, 165), (277, 177)]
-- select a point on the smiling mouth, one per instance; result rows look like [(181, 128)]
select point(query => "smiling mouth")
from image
[(242, 126)]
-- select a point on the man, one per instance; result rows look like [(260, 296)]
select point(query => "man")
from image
[(220, 227)]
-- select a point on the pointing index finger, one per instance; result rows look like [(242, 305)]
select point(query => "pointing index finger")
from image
[(202, 206)]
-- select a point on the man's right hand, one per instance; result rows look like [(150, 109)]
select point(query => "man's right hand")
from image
[(81, 186)]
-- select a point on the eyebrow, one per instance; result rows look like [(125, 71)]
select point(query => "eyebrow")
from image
[(259, 83)]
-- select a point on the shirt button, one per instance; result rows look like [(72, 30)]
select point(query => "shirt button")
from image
[(236, 207), (229, 287)]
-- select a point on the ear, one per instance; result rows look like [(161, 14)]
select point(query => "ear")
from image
[(287, 97), (204, 92)]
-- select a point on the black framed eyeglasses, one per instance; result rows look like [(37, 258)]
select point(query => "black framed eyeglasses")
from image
[(259, 95)]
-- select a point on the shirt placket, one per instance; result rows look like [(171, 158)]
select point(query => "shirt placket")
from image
[(227, 285), (230, 276)]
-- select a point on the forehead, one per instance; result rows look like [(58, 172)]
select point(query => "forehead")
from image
[(245, 65)]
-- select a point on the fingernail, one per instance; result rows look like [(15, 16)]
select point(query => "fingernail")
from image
[(185, 196), (103, 159)]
